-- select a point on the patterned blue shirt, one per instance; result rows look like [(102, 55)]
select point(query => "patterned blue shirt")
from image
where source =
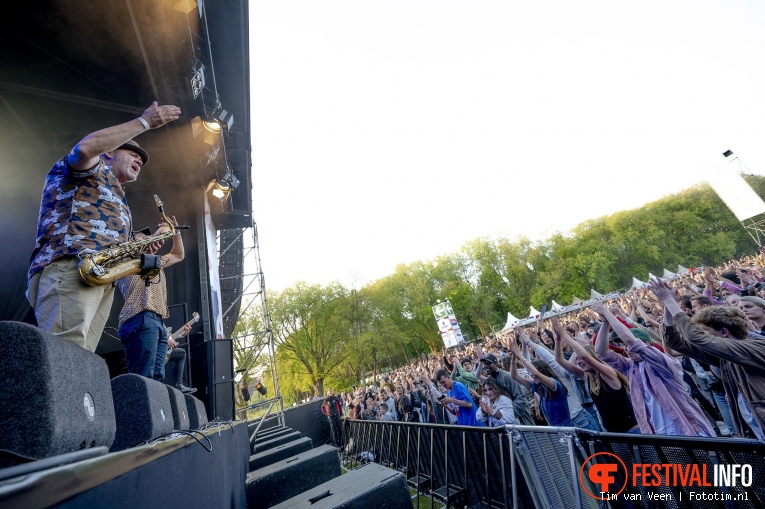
[(79, 210)]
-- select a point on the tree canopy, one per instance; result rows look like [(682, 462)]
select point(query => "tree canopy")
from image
[(332, 334)]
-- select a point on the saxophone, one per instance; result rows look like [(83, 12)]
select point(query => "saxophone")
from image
[(98, 268)]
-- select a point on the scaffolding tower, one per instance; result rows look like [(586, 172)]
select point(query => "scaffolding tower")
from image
[(240, 292)]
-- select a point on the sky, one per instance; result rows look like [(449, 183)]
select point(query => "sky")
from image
[(388, 132)]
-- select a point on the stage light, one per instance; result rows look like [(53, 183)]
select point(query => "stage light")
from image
[(185, 6), (231, 179), (728, 153), (198, 81), (261, 389), (220, 188), (245, 394), (218, 119), (211, 125), (198, 128)]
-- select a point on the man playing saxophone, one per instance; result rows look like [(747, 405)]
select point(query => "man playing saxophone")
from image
[(83, 206), (142, 331)]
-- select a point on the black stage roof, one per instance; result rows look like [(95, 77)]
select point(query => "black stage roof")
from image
[(70, 67)]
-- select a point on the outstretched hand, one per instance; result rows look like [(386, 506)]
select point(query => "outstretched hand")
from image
[(157, 116), (660, 289), (515, 350)]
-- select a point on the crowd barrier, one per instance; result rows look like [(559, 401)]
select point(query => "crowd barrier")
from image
[(545, 467)]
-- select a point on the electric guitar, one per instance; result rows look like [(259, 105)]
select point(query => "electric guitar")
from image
[(180, 333)]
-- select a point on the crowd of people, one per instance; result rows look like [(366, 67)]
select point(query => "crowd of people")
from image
[(679, 356)]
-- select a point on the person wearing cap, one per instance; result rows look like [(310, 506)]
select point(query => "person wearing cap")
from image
[(512, 388), (83, 206)]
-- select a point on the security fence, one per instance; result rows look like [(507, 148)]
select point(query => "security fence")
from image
[(547, 467)]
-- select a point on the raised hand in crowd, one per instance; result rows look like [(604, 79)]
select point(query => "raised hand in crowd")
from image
[(662, 292), (601, 310)]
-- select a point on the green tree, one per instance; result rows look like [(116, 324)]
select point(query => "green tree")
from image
[(311, 325)]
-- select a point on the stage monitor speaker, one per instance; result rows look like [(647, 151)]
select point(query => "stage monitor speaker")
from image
[(196, 410), (369, 487), (178, 408), (223, 399), (288, 478), (142, 408), (213, 373), (55, 396)]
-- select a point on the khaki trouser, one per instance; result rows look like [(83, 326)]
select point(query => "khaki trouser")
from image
[(66, 307)]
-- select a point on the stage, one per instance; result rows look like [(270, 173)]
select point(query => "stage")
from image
[(195, 469)]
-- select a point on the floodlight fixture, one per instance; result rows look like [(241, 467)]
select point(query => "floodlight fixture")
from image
[(212, 125), (218, 119), (220, 188), (209, 135), (728, 153)]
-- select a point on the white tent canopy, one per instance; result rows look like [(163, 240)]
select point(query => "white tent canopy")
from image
[(577, 303), (511, 321), (651, 276)]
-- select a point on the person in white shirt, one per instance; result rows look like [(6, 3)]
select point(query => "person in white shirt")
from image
[(495, 409)]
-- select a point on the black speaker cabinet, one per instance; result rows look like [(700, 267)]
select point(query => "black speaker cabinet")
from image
[(179, 409), (369, 487), (142, 410), (55, 396), (213, 374), (223, 397), (196, 411)]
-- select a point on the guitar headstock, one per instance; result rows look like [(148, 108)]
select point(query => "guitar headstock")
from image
[(194, 317)]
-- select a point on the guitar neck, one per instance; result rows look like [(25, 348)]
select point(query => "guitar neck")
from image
[(180, 332)]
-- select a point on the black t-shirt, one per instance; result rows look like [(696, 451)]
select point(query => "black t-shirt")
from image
[(333, 402)]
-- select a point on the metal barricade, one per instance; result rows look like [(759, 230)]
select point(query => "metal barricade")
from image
[(541, 467), (463, 466)]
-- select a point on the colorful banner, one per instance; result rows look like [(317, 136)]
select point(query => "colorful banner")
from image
[(448, 326), (212, 273)]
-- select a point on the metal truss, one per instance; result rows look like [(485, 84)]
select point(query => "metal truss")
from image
[(240, 292)]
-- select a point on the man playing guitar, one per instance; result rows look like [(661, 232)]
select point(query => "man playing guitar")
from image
[(176, 357)]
